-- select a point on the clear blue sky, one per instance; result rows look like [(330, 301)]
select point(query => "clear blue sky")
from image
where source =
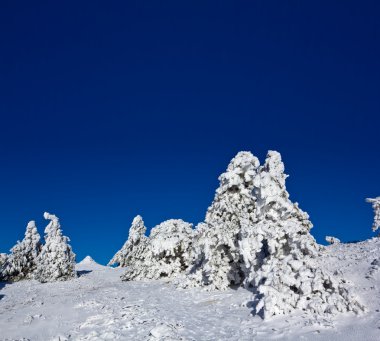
[(112, 109)]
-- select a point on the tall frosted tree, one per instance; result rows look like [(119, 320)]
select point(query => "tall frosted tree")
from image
[(376, 210), (21, 263), (254, 236), (56, 262), (134, 246), (217, 260), (282, 256)]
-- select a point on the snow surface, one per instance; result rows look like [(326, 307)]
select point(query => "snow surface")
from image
[(98, 306)]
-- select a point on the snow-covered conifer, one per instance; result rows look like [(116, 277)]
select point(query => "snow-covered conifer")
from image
[(134, 246), (21, 263), (255, 236), (166, 253), (56, 262), (376, 209), (332, 240), (217, 261), (3, 257), (283, 255)]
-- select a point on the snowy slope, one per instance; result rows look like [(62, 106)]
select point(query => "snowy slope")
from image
[(99, 306)]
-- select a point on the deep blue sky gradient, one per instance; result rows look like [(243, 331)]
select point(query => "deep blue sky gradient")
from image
[(112, 109)]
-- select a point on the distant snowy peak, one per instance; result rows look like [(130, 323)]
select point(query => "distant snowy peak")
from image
[(87, 260)]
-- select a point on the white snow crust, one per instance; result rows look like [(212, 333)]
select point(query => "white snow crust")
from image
[(98, 306)]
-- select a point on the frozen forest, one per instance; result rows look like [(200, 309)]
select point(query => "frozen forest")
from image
[(253, 258), (29, 259), (253, 236)]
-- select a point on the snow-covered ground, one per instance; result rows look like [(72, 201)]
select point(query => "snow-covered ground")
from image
[(99, 306)]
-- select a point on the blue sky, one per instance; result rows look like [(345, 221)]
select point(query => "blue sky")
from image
[(109, 110)]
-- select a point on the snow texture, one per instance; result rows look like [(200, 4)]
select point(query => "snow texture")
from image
[(22, 261), (332, 240), (376, 209), (166, 253), (3, 258), (56, 262), (134, 246), (98, 306), (255, 236)]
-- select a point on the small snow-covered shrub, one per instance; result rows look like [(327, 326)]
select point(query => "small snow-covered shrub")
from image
[(166, 252), (56, 262), (332, 240), (133, 247), (376, 210), (21, 263)]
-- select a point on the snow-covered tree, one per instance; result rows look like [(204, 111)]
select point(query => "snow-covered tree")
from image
[(255, 236), (282, 256), (376, 209), (166, 253), (134, 246), (217, 260), (56, 262), (21, 263), (3, 257), (332, 240)]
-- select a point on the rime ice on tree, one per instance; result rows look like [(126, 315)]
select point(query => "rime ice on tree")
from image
[(284, 260), (134, 246), (3, 258), (56, 262), (376, 208), (166, 253), (255, 236), (218, 262), (21, 263)]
